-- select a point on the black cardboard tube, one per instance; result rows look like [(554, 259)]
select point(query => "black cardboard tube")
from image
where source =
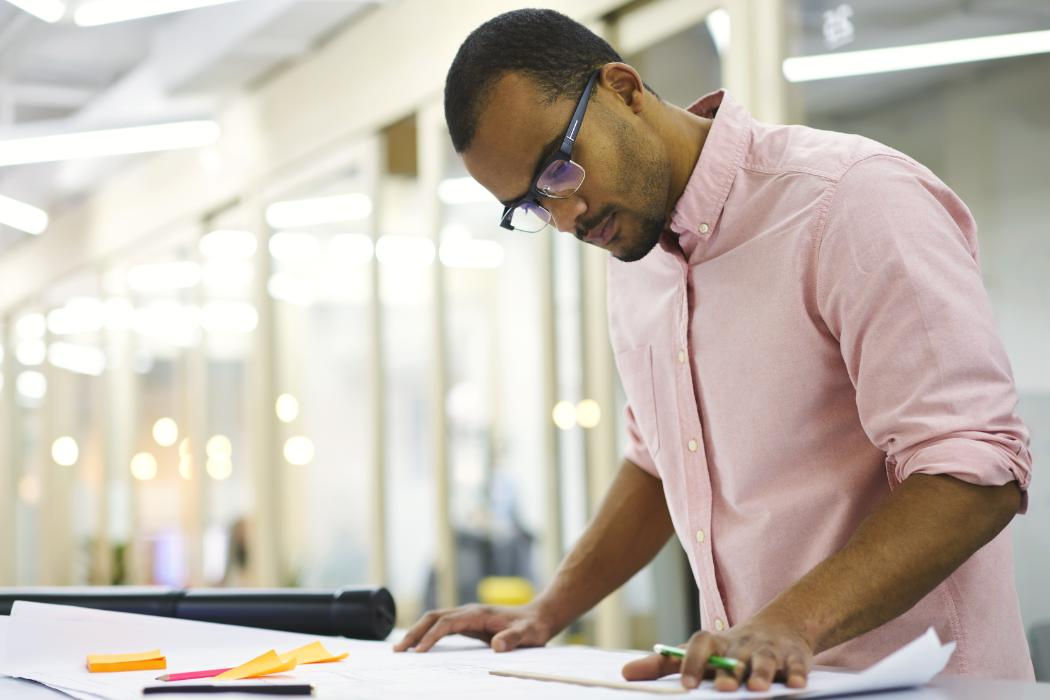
[(357, 613)]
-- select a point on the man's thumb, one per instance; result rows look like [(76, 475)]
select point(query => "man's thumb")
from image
[(507, 640)]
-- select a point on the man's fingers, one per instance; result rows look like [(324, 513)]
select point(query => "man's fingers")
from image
[(418, 630), (727, 680), (701, 646), (796, 671), (731, 680), (651, 667), (764, 665), (509, 639), (449, 624)]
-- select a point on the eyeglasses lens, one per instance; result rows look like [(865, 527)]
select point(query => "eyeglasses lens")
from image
[(560, 179), (529, 217)]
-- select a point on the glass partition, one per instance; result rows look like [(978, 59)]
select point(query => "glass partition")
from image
[(28, 354), (74, 460), (322, 259), (494, 401), (406, 256), (216, 455), (157, 288)]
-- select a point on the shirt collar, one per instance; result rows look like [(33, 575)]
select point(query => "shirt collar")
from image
[(699, 208)]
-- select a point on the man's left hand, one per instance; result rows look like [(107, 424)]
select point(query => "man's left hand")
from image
[(767, 650)]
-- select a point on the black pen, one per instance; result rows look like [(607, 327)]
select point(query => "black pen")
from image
[(256, 688)]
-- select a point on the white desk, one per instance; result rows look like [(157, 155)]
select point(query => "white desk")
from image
[(956, 688), (67, 634)]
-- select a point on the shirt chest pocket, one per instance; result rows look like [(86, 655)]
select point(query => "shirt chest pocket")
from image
[(636, 374)]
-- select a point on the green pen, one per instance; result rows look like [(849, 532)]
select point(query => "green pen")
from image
[(679, 653)]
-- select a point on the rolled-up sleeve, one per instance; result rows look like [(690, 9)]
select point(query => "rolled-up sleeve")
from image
[(899, 286)]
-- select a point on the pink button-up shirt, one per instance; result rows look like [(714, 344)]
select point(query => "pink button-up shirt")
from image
[(811, 330)]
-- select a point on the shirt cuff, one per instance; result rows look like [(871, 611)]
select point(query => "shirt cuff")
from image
[(984, 459)]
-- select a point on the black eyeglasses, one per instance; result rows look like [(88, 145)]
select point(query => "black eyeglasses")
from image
[(558, 177)]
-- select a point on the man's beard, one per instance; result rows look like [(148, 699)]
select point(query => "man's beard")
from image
[(655, 181), (649, 232), (651, 179)]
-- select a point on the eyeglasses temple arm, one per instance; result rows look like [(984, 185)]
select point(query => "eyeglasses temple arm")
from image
[(577, 116)]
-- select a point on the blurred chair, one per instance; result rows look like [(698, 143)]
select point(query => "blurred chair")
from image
[(505, 590), (479, 556), (1039, 644)]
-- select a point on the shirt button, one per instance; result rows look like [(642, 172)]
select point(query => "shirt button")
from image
[(703, 228), (719, 625), (700, 536), (693, 445), (681, 357)]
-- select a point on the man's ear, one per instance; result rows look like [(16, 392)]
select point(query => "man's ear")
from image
[(625, 82)]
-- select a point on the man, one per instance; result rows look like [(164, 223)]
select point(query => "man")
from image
[(818, 403)]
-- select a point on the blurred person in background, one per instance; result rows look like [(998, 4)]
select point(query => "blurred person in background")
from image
[(238, 574)]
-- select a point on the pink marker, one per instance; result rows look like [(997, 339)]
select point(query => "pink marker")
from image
[(189, 675)]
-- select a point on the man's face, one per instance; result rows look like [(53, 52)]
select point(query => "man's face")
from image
[(623, 202)]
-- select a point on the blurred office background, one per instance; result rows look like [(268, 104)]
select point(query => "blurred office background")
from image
[(290, 345)]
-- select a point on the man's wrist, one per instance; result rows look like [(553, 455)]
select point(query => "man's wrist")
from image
[(551, 612), (792, 619)]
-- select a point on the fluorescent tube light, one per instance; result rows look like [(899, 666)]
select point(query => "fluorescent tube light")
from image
[(350, 249), (31, 352), (291, 247), (22, 216), (471, 254), (801, 69), (229, 317), (291, 289), (225, 277), (228, 243), (96, 12), (79, 315), (319, 210), (108, 142), (31, 384), (164, 277), (31, 326), (47, 10), (463, 190), (169, 323), (82, 359), (407, 251)]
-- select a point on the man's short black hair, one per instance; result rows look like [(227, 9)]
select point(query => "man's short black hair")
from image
[(557, 53)]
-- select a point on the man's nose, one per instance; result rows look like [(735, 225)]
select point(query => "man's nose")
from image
[(565, 212)]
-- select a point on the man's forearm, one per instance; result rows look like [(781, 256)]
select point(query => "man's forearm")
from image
[(918, 536), (631, 526)]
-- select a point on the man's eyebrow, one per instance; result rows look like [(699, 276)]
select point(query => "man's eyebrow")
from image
[(548, 150)]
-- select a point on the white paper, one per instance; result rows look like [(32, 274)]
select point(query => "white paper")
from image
[(50, 643), (912, 665), (4, 619)]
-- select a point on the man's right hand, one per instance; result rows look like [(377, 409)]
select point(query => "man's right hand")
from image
[(502, 628)]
